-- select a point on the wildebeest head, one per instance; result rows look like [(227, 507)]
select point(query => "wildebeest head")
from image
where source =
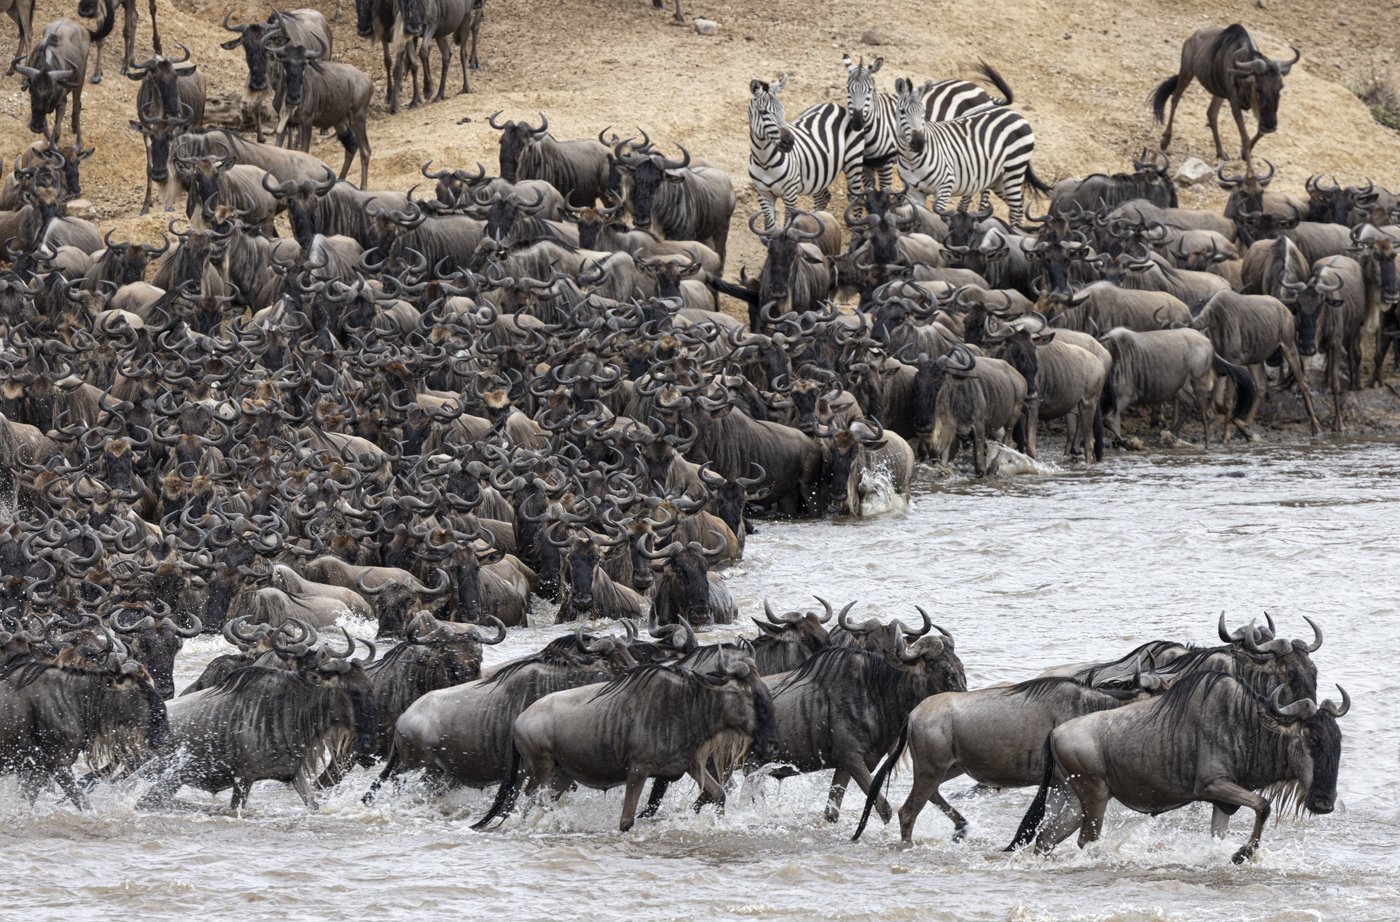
[(252, 36), (784, 250), (578, 569), (1315, 729), (933, 656), (1281, 663), (515, 137), (1374, 248), (1056, 256), (767, 119), (154, 640), (647, 172), (729, 497), (1258, 82), (789, 639), (302, 201), (1017, 343), (687, 582), (1309, 300), (338, 672), (160, 133), (46, 90), (295, 59), (503, 210), (162, 74), (847, 450)]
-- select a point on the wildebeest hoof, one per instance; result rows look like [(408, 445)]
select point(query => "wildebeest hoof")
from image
[(1243, 855), (831, 815), (95, 78)]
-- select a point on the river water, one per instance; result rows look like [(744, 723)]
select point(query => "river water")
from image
[(1026, 571)]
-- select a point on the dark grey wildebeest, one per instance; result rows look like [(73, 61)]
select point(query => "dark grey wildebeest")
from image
[(1176, 365), (172, 87), (88, 9), (91, 700), (844, 707), (971, 398), (993, 735), (261, 723), (1331, 313), (655, 721), (785, 641), (578, 169), (1062, 380), (1249, 330), (1209, 738), (462, 735), (677, 201), (316, 93), (1149, 180), (54, 72), (1232, 70)]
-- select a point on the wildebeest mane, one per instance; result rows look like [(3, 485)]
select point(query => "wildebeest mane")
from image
[(829, 666), (641, 676), (1044, 686), (561, 651)]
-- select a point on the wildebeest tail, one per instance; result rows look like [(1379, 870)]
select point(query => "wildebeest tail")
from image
[(1031, 821), (997, 81), (881, 779), (105, 29), (1098, 433), (1164, 91), (506, 794), (734, 291), (1244, 385), (1108, 399)]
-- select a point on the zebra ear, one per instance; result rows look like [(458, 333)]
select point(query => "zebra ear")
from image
[(850, 65), (875, 66), (776, 86), (757, 86), (900, 84)]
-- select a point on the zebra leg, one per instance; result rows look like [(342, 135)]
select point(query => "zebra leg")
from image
[(790, 202), (1013, 195), (821, 201), (766, 204), (887, 176)]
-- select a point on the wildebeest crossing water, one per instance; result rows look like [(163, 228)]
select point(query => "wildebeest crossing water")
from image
[(1027, 572)]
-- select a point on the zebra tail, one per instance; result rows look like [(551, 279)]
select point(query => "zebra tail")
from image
[(1035, 182), (1031, 822), (1164, 91), (997, 81)]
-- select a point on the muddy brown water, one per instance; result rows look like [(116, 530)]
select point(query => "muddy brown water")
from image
[(1026, 571)]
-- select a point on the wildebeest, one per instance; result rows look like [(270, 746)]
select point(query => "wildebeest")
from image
[(91, 700), (1209, 738), (578, 169), (859, 452), (172, 87), (22, 12), (88, 9), (263, 723), (678, 201), (432, 655), (993, 735), (1149, 180), (959, 396), (316, 93), (786, 641), (1232, 70), (462, 735), (1330, 308), (654, 721), (1250, 330), (441, 22), (843, 708), (1163, 366), (154, 641), (55, 70)]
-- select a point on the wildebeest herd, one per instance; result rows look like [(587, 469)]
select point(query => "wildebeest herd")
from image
[(442, 412)]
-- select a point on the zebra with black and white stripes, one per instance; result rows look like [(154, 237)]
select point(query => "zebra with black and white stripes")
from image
[(989, 150), (874, 114), (788, 159)]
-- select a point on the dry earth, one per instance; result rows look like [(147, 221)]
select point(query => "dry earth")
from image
[(1081, 73)]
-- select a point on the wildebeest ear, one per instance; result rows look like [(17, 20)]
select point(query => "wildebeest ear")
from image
[(231, 43)]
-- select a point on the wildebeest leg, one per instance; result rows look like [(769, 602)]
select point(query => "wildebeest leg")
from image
[(1230, 793), (97, 65), (146, 205), (241, 789), (979, 448), (1183, 80), (711, 789), (1334, 381), (445, 52), (477, 14), (839, 780), (64, 777), (1246, 145), (155, 29), (1065, 818), (1219, 822), (1213, 121), (391, 88), (462, 62), (303, 786), (1093, 800), (636, 778), (1295, 366), (361, 132), (658, 793), (128, 35)]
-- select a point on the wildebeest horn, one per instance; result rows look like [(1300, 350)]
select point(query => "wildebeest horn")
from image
[(475, 634), (1335, 711), (239, 29), (1317, 635), (918, 632), (1302, 709)]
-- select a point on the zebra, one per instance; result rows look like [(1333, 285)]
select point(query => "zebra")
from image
[(789, 159), (987, 150), (873, 114)]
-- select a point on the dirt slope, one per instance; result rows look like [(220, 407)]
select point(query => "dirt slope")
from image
[(1081, 76)]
